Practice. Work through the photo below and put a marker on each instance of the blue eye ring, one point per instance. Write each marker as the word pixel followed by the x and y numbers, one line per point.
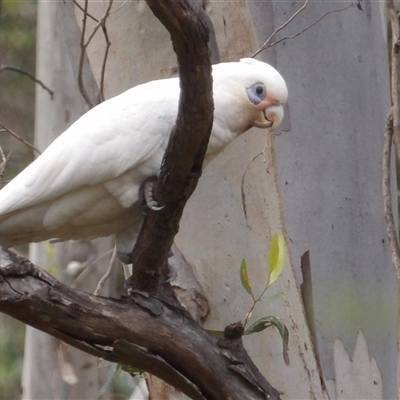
pixel 256 93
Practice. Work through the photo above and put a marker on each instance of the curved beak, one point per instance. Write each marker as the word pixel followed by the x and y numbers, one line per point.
pixel 269 118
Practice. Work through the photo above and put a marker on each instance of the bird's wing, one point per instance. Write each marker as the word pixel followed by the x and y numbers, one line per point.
pixel 110 139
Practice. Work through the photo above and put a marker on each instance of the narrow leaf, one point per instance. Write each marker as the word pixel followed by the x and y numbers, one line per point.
pixel 270 299
pixel 244 278
pixel 275 258
pixel 132 371
pixel 266 322
pixel 216 334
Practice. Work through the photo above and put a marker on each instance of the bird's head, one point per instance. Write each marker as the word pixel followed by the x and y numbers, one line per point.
pixel 248 93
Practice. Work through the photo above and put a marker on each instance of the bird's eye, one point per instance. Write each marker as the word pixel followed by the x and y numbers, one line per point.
pixel 259 90
pixel 256 93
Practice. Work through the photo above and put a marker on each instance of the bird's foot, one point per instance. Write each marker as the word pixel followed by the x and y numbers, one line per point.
pixel 146 196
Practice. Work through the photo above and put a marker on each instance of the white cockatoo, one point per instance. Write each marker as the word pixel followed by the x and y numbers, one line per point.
pixel 86 184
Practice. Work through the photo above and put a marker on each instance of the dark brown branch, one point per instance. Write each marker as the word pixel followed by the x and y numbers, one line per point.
pixel 139 331
pixel 181 167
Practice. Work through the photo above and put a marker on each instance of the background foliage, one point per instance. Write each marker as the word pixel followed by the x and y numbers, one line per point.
pixel 17 94
pixel 17 99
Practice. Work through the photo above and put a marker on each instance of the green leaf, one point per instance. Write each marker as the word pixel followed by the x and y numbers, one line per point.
pixel 266 322
pixel 133 371
pixel 216 334
pixel 270 299
pixel 275 258
pixel 244 278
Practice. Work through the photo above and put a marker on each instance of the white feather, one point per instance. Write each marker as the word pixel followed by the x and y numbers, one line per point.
pixel 86 183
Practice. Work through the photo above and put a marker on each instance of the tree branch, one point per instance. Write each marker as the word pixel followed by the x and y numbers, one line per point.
pixel 181 167
pixel 137 331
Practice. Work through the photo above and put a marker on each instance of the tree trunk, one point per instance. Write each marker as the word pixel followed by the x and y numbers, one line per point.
pixel 330 168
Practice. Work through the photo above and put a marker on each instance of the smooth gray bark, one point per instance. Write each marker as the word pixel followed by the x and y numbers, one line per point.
pixel 330 169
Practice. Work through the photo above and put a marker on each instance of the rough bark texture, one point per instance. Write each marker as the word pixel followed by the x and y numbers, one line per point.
pixel 138 331
pixel 142 330
pixel 181 169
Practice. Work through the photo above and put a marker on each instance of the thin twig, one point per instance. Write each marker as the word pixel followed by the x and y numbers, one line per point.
pixel 108 272
pixel 89 268
pixel 263 47
pixel 105 58
pixel 118 8
pixel 21 71
pixel 3 164
pixel 81 85
pixel 267 46
pixel 387 196
pixel 3 128
pixel 255 301
pixel 83 10
pixel 101 23
pixel 243 196
pixel 108 44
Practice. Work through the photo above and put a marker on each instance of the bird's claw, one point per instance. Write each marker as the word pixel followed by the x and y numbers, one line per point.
pixel 153 205
pixel 148 195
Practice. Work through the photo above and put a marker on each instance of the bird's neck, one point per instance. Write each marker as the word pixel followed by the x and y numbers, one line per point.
pixel 219 139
